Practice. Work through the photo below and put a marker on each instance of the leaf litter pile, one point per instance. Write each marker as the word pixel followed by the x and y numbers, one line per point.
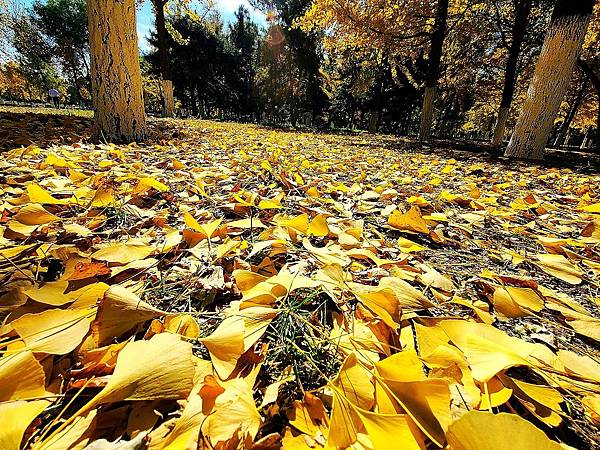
pixel 231 286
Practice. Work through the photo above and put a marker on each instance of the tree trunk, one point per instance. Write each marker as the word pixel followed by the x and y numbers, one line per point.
pixel 567 137
pixel 595 79
pixel 522 10
pixel 433 71
pixel 168 100
pixel 163 55
pixel 373 121
pixel 571 115
pixel 584 143
pixel 553 71
pixel 115 69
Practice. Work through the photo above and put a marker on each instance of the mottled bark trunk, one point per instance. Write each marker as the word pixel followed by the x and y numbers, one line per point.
pixel 373 121
pixel 598 124
pixel 500 126
pixel 564 128
pixel 553 71
pixel 595 79
pixel 433 71
pixel 115 70
pixel 584 143
pixel 168 100
pixel 522 10
pixel 163 55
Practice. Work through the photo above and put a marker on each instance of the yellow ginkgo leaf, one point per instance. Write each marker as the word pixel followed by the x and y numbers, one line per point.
pixel 53 293
pixel 16 417
pixel 560 267
pixel 298 223
pixel 271 203
pixel 515 302
pixel 123 253
pixel 235 335
pixel 21 377
pixel 103 198
pixel 186 432
pixel 234 414
pixel 487 349
pixel 34 214
pixel 207 229
pixel 427 403
pixel 144 184
pixel 478 430
pixel 182 324
pixel 54 331
pixel 383 429
pixel 119 311
pixel 409 221
pixel 77 435
pixel 318 226
pixel 542 401
pixel 38 194
pixel 349 423
pixel 160 368
pixel 355 382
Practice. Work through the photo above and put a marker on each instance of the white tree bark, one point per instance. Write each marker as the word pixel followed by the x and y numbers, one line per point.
pixel 550 82
pixel 115 70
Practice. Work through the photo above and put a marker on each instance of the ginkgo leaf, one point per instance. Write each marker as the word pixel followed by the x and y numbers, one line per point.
pixel 182 324
pixel 207 229
pixel 54 331
pixel 34 214
pixel 427 403
pixel 119 311
pixel 348 422
pixel 103 198
pixel 16 417
pixel 146 183
pixel 409 221
pixel 123 253
pixel 382 429
pixel 21 377
pixel 517 302
pixel 160 368
pixel 186 432
pixel 355 383
pixel 55 293
pixel 318 226
pixel 477 430
pixel 308 415
pixel 78 434
pixel 542 401
pixel 38 194
pixel 234 414
pixel 559 267
pixel 487 349
pixel 235 335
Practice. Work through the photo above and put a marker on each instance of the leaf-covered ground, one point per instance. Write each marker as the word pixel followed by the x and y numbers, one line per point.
pixel 230 286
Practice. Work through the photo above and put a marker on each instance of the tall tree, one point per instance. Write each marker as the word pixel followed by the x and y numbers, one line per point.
pixel 594 77
pixel 165 65
pixel 243 36
pixel 305 46
pixel 433 70
pixel 64 23
pixel 115 69
pixel 521 16
pixel 553 71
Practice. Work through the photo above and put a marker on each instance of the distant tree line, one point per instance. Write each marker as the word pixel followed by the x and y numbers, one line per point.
pixel 522 72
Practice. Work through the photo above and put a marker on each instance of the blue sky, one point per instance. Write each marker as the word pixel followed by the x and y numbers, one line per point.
pixel 145 18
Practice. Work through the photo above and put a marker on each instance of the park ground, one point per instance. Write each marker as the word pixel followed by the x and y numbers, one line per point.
pixel 345 250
